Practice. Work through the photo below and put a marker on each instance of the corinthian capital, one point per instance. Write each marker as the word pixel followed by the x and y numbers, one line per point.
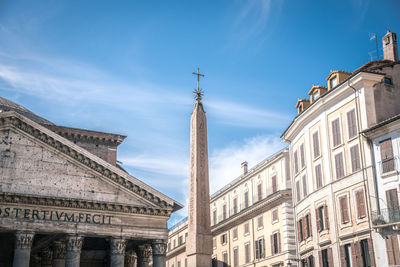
pixel 24 239
pixel 159 247
pixel 117 245
pixel 59 250
pixel 144 253
pixel 74 243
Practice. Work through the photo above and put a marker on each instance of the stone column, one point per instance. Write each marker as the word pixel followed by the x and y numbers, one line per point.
pixel 159 248
pixel 143 252
pixel 22 251
pixel 74 246
pixel 117 251
pixel 130 259
pixel 59 251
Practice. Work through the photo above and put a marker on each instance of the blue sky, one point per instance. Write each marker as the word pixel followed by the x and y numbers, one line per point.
pixel 125 67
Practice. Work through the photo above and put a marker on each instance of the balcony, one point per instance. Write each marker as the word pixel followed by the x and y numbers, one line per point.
pixel 386 217
pixel 389 165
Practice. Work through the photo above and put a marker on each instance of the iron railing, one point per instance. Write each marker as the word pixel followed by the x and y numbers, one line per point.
pixel 385 216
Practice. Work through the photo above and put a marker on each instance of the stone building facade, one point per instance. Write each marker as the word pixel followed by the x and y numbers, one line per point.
pixel 251 219
pixel 332 165
pixel 64 200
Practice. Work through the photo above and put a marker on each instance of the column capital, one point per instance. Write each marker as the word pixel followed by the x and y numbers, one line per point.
pixel 59 250
pixel 74 242
pixel 117 245
pixel 159 247
pixel 144 252
pixel 130 258
pixel 24 239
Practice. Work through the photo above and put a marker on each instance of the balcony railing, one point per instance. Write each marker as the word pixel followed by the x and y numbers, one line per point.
pixel 385 216
pixel 389 165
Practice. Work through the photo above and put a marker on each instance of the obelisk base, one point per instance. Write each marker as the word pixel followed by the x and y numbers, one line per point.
pixel 199 260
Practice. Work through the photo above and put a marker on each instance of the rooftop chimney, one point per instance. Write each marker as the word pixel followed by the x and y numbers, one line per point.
pixel 389 44
pixel 244 167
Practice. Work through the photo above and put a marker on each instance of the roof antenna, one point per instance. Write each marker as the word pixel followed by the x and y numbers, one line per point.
pixel 373 36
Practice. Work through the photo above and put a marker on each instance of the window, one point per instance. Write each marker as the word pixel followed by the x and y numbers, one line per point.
pixel 339 165
pixel 260 223
pixel 392 249
pixel 235 257
pixel 296 163
pixel 214 217
pixel 309 261
pixel 392 199
pixel 224 212
pixel 235 233
pixel 387 155
pixel 325 258
pixel 259 191
pixel 235 205
pixel 333 82
pixel 387 80
pixel 274 185
pixel 275 216
pixel 360 202
pixel 347 255
pixel 308 225
pixel 174 243
pixel 223 239
pixel 214 262
pixel 317 151
pixel 344 209
pixel 365 255
pixel 304 185
pixel 315 96
pixel 225 259
pixel 336 135
pixel 298 190
pixel 180 240
pixel 246 199
pixel 186 262
pixel 302 157
pixel 355 158
pixel 246 228
pixel 322 218
pixel 214 242
pixel 318 176
pixel 300 228
pixel 276 243
pixel 260 248
pixel 247 252
pixel 351 124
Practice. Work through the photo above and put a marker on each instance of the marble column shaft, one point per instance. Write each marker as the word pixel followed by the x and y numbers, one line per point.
pixel 143 253
pixel 22 251
pixel 159 248
pixel 117 252
pixel 74 246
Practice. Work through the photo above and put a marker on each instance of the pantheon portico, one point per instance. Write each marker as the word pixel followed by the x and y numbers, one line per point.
pixel 64 200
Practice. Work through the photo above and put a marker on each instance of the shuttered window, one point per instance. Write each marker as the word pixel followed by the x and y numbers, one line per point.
pixel 259 191
pixel 260 248
pixel 339 166
pixel 246 228
pixel 320 216
pixel 235 257
pixel 304 186
pixel 387 159
pixel 247 252
pixel 360 200
pixel 214 242
pixel 318 176
pixel 260 222
pixel 225 259
pixel 296 162
pixel 246 199
pixel 351 124
pixel 235 210
pixel 392 249
pixel 344 209
pixel 275 215
pixel 336 135
pixel 302 156
pixel 355 158
pixel 298 190
pixel 224 212
pixel 300 232
pixel 274 185
pixel 392 199
pixel 275 243
pixel 235 233
pixel 308 225
pixel 316 149
pixel 214 217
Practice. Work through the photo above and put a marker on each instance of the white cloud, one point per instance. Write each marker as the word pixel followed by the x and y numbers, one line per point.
pixel 225 163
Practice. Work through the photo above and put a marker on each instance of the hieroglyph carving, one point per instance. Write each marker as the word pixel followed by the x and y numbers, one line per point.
pixel 24 240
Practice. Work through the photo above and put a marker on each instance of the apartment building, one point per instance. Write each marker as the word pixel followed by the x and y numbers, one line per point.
pixel 251 219
pixel 332 164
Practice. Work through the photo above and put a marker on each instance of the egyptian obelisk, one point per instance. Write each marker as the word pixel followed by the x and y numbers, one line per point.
pixel 199 243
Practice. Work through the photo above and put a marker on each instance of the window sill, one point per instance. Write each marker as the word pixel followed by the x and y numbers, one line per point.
pixel 352 138
pixel 246 234
pixel 345 225
pixel 274 222
pixel 260 228
pixel 318 157
pixel 389 174
pixel 361 220
pixel 338 146
pixel 324 232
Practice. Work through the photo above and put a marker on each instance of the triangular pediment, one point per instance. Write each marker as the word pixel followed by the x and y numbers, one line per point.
pixel 36 161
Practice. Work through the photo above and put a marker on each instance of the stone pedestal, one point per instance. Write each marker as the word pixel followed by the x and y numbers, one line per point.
pixel 159 248
pixel 117 252
pixel 59 252
pixel 73 255
pixel 22 251
pixel 143 253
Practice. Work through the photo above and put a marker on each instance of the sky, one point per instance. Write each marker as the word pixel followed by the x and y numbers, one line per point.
pixel 126 67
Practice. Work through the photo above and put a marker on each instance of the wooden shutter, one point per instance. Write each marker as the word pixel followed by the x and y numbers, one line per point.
pixel 396 251
pixel 336 137
pixel 318 176
pixel 298 190
pixel 305 185
pixel 330 257
pixel 371 252
pixel 351 123
pixel 274 187
pixel 263 248
pixel 386 149
pixel 302 156
pixel 278 238
pixel 339 165
pixel 259 191
pixel 392 199
pixel 318 219
pixel 389 250
pixel 272 244
pixel 257 249
pixel 320 258
pixel 355 158
pixel 296 163
pixel 303 220
pixel 361 212
pixel 344 209
pixel 342 255
pixel 326 216
pixel 316 145
pixel 299 237
pixel 356 254
pixel 309 232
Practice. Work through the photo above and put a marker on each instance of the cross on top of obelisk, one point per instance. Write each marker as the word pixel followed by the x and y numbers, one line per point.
pixel 198 93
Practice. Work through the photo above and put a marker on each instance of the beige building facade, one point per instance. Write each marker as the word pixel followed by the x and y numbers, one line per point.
pixel 251 219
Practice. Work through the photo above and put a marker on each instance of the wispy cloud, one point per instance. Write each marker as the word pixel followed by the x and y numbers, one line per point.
pixel 225 163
